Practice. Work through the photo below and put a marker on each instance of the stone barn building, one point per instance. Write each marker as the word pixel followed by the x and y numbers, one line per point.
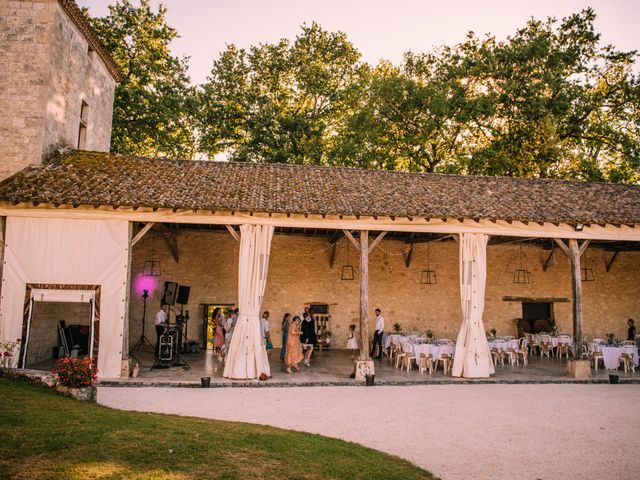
pixel 57 82
pixel 87 231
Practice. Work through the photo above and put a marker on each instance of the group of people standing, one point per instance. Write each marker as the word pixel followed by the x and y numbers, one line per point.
pixel 223 330
pixel 298 335
pixel 298 339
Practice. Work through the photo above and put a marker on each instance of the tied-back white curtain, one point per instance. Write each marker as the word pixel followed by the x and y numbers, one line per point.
pixel 247 357
pixel 472 358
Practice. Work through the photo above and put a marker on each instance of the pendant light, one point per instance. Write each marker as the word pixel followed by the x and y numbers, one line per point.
pixel 586 272
pixel 521 275
pixel 347 268
pixel 152 267
pixel 428 276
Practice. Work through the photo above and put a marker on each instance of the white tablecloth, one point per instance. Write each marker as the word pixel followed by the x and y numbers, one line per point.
pixel 612 356
pixel 397 338
pixel 434 350
pixel 553 340
pixel 503 344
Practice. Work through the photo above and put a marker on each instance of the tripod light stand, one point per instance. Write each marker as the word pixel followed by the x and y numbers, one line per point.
pixel 143 340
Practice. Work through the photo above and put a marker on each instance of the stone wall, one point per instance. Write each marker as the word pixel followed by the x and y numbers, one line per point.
pixel 77 75
pixel 45 73
pixel 208 263
pixel 44 326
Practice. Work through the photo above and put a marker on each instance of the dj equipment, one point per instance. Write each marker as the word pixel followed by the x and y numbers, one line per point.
pixel 170 292
pixel 169 355
pixel 183 294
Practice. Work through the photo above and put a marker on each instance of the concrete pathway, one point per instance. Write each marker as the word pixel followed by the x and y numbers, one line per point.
pixel 455 431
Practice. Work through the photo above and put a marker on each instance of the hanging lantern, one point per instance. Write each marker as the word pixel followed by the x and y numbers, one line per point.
pixel 347 268
pixel 152 267
pixel 586 273
pixel 428 276
pixel 521 275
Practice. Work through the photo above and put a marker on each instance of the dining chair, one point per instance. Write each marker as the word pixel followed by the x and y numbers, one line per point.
pixel 496 356
pixel 596 355
pixel 425 363
pixel 533 343
pixel 563 346
pixel 445 360
pixel 626 359
pixel 511 355
pixel 523 350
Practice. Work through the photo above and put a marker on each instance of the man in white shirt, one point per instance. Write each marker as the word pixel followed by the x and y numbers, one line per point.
pixel 377 335
pixel 161 321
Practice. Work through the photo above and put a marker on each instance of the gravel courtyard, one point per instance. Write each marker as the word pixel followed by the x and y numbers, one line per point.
pixel 532 431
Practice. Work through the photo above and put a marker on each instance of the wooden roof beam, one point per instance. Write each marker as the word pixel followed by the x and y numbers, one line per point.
pixel 142 233
pixel 610 262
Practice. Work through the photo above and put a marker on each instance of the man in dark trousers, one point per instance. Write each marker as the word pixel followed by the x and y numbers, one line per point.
pixel 377 335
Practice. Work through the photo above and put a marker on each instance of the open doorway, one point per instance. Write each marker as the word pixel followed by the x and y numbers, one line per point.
pixel 207 322
pixel 59 320
pixel 537 316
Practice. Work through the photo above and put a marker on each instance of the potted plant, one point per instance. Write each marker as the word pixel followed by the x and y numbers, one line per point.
pixel 429 335
pixel 493 332
pixel 610 338
pixel 397 328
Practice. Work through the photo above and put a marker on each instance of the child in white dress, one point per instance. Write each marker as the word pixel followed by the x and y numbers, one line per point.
pixel 352 342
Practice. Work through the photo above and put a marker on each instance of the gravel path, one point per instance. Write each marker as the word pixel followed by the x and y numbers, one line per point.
pixel 455 431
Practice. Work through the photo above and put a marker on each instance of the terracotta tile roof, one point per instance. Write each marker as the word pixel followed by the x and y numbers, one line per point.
pixel 93 178
pixel 79 20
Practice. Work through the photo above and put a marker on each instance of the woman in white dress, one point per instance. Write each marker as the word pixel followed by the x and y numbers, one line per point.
pixel 352 342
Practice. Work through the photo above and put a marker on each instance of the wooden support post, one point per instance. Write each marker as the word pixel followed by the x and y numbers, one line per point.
pixel 408 256
pixel 141 233
pixel 612 261
pixel 234 234
pixel 574 251
pixel 364 295
pixel 347 233
pixel 576 284
pixel 334 248
pixel 545 265
pixel 375 243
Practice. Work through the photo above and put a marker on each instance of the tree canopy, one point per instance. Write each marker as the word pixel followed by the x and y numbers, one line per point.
pixel 154 103
pixel 548 101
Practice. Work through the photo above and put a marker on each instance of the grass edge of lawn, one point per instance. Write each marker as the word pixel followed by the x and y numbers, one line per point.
pixel 130 444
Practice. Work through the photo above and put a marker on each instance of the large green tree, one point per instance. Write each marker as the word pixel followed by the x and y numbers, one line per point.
pixel 154 103
pixel 548 101
pixel 564 106
pixel 280 102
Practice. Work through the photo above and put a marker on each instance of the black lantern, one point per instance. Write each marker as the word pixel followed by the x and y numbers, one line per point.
pixel 428 276
pixel 586 273
pixel 521 275
pixel 152 267
pixel 347 268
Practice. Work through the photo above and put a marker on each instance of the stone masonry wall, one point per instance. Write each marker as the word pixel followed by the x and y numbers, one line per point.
pixel 45 73
pixel 208 263
pixel 44 326
pixel 25 43
pixel 77 75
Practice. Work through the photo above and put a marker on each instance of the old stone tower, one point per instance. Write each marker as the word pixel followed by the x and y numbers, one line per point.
pixel 57 82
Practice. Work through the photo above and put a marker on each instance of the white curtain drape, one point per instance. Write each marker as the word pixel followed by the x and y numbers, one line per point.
pixel 247 357
pixel 472 358
pixel 68 252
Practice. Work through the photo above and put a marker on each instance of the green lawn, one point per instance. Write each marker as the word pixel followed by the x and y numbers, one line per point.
pixel 46 436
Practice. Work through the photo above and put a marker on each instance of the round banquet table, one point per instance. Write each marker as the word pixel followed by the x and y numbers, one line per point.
pixel 612 355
